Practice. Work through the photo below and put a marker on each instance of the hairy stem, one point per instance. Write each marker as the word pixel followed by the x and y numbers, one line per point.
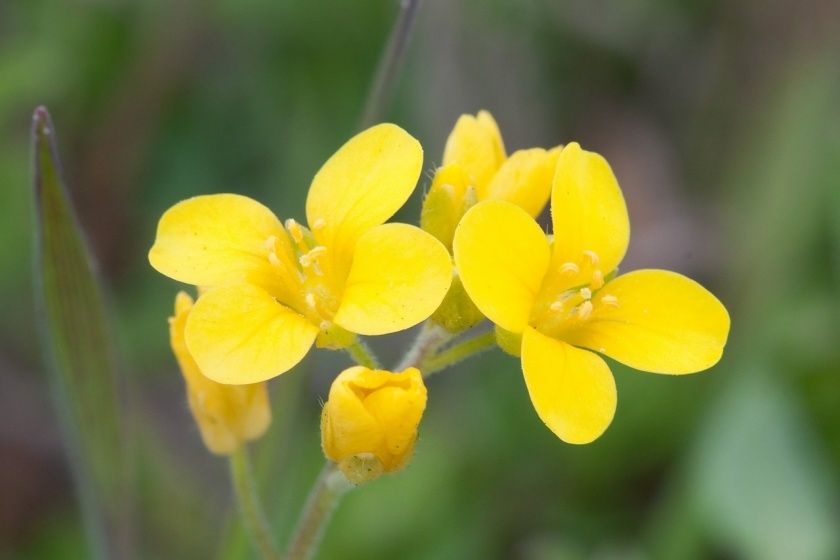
pixel 457 352
pixel 430 338
pixel 363 355
pixel 330 486
pixel 250 509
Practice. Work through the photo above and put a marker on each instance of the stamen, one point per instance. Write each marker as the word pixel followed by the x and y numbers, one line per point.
pixel 584 310
pixel 295 229
pixel 556 306
pixel 597 279
pixel 610 300
pixel 592 256
pixel 310 300
pixel 319 223
pixel 272 258
pixel 569 269
pixel 586 293
pixel 270 242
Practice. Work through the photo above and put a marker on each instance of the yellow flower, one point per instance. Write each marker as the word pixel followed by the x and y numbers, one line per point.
pixel 227 415
pixel 369 423
pixel 475 168
pixel 559 299
pixel 271 289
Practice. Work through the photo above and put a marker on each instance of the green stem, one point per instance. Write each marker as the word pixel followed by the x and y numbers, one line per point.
pixel 458 352
pixel 330 486
pixel 249 504
pixel 430 338
pixel 363 355
pixel 389 64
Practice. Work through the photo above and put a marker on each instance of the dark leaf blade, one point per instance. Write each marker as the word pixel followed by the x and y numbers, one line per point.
pixel 77 343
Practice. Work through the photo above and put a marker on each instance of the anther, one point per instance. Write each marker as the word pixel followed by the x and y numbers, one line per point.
pixel 610 300
pixel 295 229
pixel 319 223
pixel 311 258
pixel 310 300
pixel 556 306
pixel 584 310
pixel 569 269
pixel 272 258
pixel 586 293
pixel 270 242
pixel 592 256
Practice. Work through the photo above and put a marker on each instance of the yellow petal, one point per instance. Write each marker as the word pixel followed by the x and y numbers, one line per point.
pixel 227 415
pixel 657 321
pixel 524 179
pixel 362 185
pixel 475 144
pixel 588 210
pixel 398 278
pixel 572 390
pixel 239 334
pixel 216 239
pixel 502 256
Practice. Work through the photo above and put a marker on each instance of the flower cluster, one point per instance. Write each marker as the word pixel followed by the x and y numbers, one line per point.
pixel 270 289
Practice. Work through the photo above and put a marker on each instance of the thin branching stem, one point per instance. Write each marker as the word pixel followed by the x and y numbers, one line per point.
pixel 250 509
pixel 363 355
pixel 457 353
pixel 427 343
pixel 389 64
pixel 330 486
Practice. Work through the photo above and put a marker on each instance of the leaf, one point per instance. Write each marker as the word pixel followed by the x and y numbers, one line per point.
pixel 760 482
pixel 76 341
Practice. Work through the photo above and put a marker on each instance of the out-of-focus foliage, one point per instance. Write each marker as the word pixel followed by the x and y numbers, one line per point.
pixel 76 344
pixel 721 122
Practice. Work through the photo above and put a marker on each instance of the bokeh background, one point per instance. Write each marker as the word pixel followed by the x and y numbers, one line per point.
pixel 722 122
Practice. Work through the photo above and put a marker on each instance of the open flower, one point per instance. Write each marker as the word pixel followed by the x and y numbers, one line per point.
pixel 227 415
pixel 273 289
pixel 561 301
pixel 369 422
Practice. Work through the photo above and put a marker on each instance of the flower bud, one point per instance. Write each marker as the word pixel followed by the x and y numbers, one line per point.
pixel 227 415
pixel 369 422
pixel 457 312
pixel 508 341
pixel 449 197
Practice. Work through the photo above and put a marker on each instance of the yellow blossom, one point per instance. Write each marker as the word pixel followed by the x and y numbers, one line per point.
pixel 369 422
pixel 272 289
pixel 561 302
pixel 227 415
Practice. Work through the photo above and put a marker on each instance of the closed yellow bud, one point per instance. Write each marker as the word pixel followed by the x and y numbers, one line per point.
pixel 227 415
pixel 369 422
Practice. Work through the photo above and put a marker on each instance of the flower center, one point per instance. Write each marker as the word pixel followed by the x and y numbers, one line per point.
pixel 304 272
pixel 565 299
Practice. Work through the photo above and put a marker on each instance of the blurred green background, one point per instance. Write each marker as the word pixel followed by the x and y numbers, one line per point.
pixel 722 122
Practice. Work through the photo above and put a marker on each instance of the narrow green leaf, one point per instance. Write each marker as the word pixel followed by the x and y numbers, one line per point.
pixel 76 342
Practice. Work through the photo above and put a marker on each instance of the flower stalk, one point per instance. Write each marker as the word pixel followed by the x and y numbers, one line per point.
pixel 457 353
pixel 363 355
pixel 250 509
pixel 389 64
pixel 329 487
pixel 428 341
